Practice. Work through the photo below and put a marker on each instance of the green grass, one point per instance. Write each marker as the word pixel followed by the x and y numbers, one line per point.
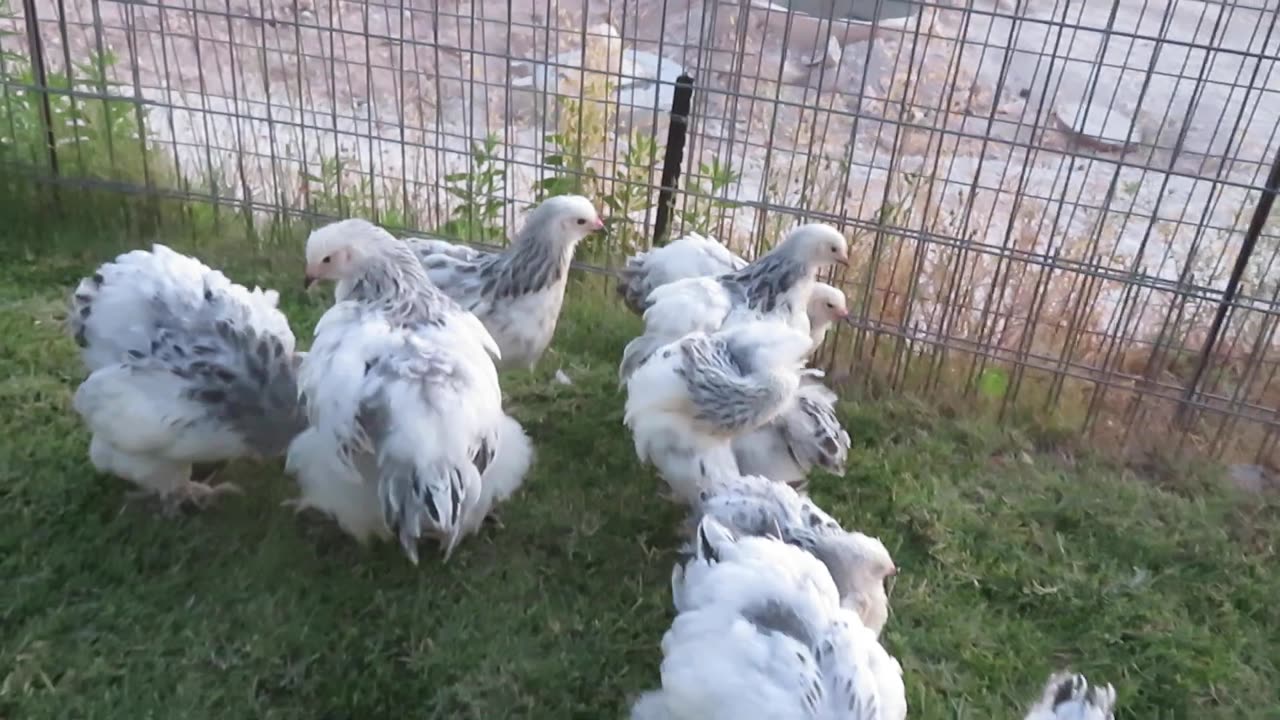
pixel 1016 559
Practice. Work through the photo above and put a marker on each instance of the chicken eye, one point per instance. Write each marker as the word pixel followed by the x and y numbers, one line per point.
pixel 326 259
pixel 831 306
pixel 582 221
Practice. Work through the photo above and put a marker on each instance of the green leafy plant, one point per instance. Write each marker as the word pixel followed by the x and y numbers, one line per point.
pixel 479 213
pixel 631 191
pixel 570 174
pixel 705 207
pixel 329 191
pixel 91 137
pixel 338 189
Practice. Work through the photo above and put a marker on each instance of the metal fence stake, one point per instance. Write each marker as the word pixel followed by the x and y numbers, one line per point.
pixel 681 106
pixel 1260 214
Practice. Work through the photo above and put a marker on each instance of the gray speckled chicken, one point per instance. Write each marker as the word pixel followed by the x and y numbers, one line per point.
pixel 776 286
pixel 185 367
pixel 407 434
pixel 760 633
pixel 516 293
pixel 805 435
pixel 691 398
pixel 690 256
pixel 859 564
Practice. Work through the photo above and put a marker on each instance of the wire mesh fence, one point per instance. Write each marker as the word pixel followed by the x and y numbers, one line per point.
pixel 1059 206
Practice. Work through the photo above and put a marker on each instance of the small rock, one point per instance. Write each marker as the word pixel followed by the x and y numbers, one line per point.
pixel 562 378
pixel 1250 478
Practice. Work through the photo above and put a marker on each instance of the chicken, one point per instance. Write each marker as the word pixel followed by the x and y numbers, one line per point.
pixel 1068 696
pixel 691 398
pixel 185 367
pixel 805 435
pixel 859 564
pixel 407 434
pixel 827 306
pixel 760 634
pixel 776 286
pixel 517 293
pixel 428 247
pixel 691 256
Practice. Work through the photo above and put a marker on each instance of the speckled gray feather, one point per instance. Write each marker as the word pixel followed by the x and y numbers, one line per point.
pixel 825 444
pixel 686 257
pixel 633 285
pixel 639 349
pixel 764 283
pixel 400 288
pixel 245 380
pixel 404 489
pixel 82 308
pixel 528 266
pixel 772 616
pixel 841 676
pixel 636 352
pixel 726 390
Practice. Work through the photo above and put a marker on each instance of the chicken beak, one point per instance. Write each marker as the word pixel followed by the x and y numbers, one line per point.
pixel 308 281
pixel 600 227
pixel 843 260
pixel 847 319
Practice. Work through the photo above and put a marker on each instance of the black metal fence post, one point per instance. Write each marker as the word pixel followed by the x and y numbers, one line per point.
pixel 36 50
pixel 1260 214
pixel 681 107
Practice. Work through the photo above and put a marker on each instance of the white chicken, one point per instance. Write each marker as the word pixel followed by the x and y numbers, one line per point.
pixel 407 436
pixel 425 247
pixel 827 306
pixel 859 564
pixel 689 256
pixel 688 401
pixel 695 256
pixel 1068 696
pixel 185 367
pixel 760 634
pixel 516 293
pixel 777 285
pixel 805 435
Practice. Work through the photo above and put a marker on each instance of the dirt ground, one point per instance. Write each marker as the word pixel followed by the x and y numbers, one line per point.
pixel 1114 147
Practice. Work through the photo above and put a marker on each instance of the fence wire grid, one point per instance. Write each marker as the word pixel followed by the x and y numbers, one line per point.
pixel 1062 205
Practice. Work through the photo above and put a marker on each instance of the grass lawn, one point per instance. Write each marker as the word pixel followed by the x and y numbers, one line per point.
pixel 1018 556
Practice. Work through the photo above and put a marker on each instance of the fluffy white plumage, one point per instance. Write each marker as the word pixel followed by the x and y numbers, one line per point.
pixel 1069 696
pixel 827 305
pixel 517 293
pixel 690 256
pixel 408 436
pixel 694 256
pixel 777 285
pixel 760 634
pixel 425 247
pixel 688 401
pixel 185 367
pixel 859 564
pixel 805 435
